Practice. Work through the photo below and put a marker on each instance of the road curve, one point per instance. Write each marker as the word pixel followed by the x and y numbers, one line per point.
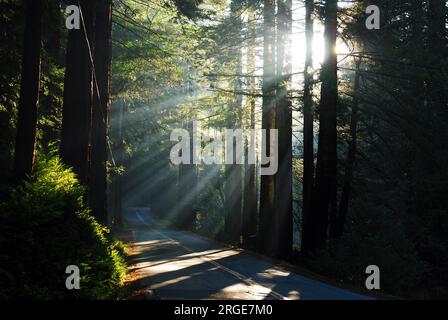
pixel 168 264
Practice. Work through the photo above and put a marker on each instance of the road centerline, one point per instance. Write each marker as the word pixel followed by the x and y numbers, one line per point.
pixel 246 280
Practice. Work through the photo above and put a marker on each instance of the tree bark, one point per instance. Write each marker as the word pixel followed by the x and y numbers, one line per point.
pixel 29 92
pixel 249 228
pixel 308 134
pixel 267 187
pixel 283 113
pixel 77 105
pixel 100 112
pixel 233 186
pixel 326 168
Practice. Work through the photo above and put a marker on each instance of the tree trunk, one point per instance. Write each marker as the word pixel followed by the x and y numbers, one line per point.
pixel 350 162
pixel 77 105
pixel 308 134
pixel 283 112
pixel 29 92
pixel 326 168
pixel 233 186
pixel 100 112
pixel 249 228
pixel 267 188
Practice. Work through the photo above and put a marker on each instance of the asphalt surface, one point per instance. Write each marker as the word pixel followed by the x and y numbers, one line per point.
pixel 170 264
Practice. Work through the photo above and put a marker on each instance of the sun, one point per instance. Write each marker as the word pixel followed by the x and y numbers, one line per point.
pixel 298 43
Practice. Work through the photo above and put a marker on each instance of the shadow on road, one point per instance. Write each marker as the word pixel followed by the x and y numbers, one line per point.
pixel 170 264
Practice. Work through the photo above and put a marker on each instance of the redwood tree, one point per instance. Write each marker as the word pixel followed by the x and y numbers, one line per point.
pixel 325 194
pixel 308 132
pixel 250 219
pixel 233 185
pixel 267 188
pixel 100 112
pixel 78 86
pixel 283 120
pixel 29 91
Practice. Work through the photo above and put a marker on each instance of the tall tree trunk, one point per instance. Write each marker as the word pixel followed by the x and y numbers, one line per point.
pixel 77 105
pixel 233 186
pixel 283 112
pixel 308 134
pixel 250 220
pixel 100 112
pixel 350 161
pixel 29 91
pixel 325 195
pixel 267 188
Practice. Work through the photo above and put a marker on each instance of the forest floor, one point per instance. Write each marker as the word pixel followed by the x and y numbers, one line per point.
pixel 170 264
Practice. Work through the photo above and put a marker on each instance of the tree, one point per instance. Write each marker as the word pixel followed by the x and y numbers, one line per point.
pixel 250 221
pixel 29 91
pixel 78 86
pixel 267 188
pixel 325 195
pixel 283 121
pixel 100 111
pixel 233 186
pixel 308 133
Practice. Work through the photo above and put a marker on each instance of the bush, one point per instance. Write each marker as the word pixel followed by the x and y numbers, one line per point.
pixel 44 227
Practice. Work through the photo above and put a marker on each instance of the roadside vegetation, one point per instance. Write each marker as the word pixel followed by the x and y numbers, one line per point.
pixel 45 227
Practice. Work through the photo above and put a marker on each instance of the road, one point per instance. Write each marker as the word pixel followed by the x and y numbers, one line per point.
pixel 170 264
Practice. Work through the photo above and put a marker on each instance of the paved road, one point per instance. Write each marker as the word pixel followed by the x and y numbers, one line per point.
pixel 168 264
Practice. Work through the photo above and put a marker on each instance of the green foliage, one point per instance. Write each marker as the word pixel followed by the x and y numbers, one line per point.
pixel 45 227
